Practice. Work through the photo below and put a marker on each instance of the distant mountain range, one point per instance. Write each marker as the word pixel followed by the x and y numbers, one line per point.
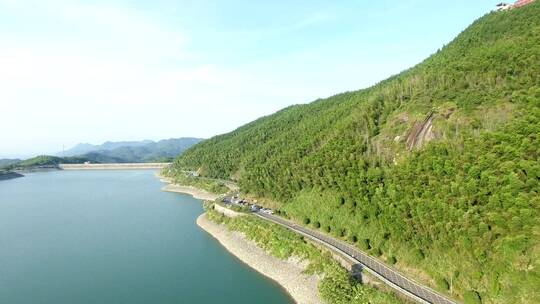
pixel 133 151
pixel 84 148
pixel 110 152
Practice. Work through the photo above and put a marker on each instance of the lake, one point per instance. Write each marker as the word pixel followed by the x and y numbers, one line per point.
pixel 114 237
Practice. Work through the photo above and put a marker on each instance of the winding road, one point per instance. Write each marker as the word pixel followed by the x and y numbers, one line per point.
pixel 391 277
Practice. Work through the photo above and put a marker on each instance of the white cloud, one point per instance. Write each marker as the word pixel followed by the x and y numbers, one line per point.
pixel 115 75
pixel 72 72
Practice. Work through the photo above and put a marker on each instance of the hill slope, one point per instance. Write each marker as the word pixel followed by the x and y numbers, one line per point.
pixel 436 168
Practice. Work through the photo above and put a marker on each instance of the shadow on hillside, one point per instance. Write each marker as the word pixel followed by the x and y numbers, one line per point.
pixel 356 272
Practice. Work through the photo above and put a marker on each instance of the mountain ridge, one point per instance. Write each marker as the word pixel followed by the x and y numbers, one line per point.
pixel 436 168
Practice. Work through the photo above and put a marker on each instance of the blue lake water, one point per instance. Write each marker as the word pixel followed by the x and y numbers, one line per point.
pixel 113 237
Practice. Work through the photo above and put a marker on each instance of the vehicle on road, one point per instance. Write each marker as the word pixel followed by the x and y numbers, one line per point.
pixel 267 211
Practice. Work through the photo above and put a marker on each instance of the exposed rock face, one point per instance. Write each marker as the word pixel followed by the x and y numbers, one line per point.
pixel 421 133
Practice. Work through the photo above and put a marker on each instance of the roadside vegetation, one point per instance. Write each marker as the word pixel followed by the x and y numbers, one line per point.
pixel 337 286
pixel 457 205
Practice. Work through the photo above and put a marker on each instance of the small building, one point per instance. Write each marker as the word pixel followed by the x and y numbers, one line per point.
pixel 502 7
pixel 505 6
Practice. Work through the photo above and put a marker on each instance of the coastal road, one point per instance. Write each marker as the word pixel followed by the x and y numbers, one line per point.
pixel 390 276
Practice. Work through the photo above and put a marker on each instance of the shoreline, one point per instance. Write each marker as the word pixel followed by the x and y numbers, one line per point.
pixel 288 274
pixel 190 190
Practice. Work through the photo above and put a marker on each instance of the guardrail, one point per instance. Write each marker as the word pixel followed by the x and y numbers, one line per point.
pixel 408 287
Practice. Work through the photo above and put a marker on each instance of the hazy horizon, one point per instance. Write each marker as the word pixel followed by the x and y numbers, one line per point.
pixel 95 71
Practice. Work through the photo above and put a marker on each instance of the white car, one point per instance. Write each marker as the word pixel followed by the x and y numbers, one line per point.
pixel 267 211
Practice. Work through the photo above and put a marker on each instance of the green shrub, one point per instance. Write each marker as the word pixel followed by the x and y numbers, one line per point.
pixel 418 255
pixel 364 244
pixel 472 297
pixel 377 251
pixel 392 260
pixel 442 283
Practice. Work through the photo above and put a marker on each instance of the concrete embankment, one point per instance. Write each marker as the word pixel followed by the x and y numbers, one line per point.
pixel 288 273
pixel 133 166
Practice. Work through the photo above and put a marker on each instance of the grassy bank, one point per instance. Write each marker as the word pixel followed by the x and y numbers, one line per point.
pixel 337 286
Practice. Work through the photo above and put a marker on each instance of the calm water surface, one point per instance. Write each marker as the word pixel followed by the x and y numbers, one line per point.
pixel 114 237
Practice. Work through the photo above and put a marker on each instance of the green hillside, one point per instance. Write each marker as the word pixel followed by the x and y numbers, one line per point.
pixel 436 169
pixel 44 161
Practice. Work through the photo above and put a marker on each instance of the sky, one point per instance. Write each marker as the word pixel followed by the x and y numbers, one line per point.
pixel 76 71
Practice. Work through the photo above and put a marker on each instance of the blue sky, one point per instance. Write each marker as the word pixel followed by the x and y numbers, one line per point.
pixel 89 71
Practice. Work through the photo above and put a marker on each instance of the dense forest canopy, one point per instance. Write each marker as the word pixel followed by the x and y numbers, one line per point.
pixel 436 169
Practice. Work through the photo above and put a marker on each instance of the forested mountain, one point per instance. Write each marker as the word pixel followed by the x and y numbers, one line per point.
pixel 436 169
pixel 161 151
